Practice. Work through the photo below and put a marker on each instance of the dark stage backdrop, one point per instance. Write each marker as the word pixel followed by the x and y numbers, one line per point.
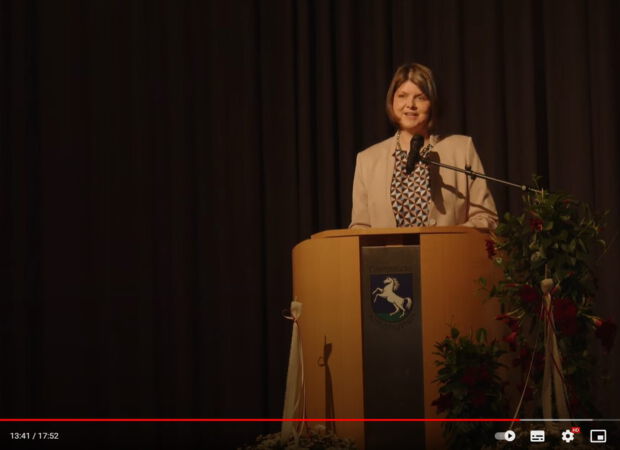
pixel 160 159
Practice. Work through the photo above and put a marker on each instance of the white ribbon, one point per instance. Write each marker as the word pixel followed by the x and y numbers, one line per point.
pixel 553 381
pixel 527 378
pixel 295 395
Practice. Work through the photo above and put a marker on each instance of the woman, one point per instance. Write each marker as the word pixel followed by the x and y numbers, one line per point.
pixel 384 195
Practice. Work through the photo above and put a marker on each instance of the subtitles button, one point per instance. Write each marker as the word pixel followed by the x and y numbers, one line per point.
pixel 537 435
pixel 598 436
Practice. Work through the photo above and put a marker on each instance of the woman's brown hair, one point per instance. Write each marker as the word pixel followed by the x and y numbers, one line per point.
pixel 422 77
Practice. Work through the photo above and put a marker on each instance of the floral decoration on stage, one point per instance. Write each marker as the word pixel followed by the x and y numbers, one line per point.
pixel 547 256
pixel 313 438
pixel 470 388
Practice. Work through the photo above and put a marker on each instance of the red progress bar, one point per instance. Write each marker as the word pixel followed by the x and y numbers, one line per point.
pixel 260 420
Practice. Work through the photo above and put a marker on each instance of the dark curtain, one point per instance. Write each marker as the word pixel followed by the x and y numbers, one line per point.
pixel 160 159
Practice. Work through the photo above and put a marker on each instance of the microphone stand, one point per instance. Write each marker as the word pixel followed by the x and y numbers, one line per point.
pixel 467 171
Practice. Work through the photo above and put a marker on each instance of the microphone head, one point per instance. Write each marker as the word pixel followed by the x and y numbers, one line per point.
pixel 417 141
pixel 415 146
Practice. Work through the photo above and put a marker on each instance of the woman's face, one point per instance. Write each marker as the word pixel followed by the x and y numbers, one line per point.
pixel 412 109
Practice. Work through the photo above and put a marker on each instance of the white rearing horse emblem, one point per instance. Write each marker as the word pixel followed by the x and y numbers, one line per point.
pixel 400 304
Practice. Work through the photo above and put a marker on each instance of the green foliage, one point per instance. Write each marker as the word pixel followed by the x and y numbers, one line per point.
pixel 470 388
pixel 546 255
pixel 315 438
pixel 557 238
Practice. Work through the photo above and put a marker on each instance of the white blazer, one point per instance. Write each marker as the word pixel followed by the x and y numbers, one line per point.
pixel 455 198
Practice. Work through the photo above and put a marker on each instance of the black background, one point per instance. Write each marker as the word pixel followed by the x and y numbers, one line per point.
pixel 160 159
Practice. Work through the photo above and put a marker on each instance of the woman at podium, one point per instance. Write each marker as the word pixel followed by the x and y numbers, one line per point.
pixel 392 189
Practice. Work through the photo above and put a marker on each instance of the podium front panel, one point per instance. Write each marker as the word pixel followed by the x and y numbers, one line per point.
pixel 392 345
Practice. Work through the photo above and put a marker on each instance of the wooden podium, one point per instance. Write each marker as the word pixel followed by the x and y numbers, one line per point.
pixel 347 371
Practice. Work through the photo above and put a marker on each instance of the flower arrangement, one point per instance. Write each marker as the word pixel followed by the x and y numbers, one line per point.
pixel 470 388
pixel 547 295
pixel 317 438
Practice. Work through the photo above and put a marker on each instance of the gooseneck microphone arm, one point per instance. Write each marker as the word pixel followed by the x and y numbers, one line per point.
pixel 467 170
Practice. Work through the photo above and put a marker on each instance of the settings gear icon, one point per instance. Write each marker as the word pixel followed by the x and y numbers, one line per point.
pixel 568 436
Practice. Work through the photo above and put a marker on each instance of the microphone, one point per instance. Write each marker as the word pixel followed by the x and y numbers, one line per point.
pixel 415 146
pixel 414 157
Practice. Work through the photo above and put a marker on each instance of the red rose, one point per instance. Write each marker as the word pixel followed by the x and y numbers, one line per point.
pixel 478 399
pixel 469 377
pixel 443 403
pixel 536 224
pixel 474 375
pixel 530 296
pixel 606 332
pixel 484 375
pixel 524 358
pixel 509 321
pixel 491 250
pixel 565 316
pixel 512 340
